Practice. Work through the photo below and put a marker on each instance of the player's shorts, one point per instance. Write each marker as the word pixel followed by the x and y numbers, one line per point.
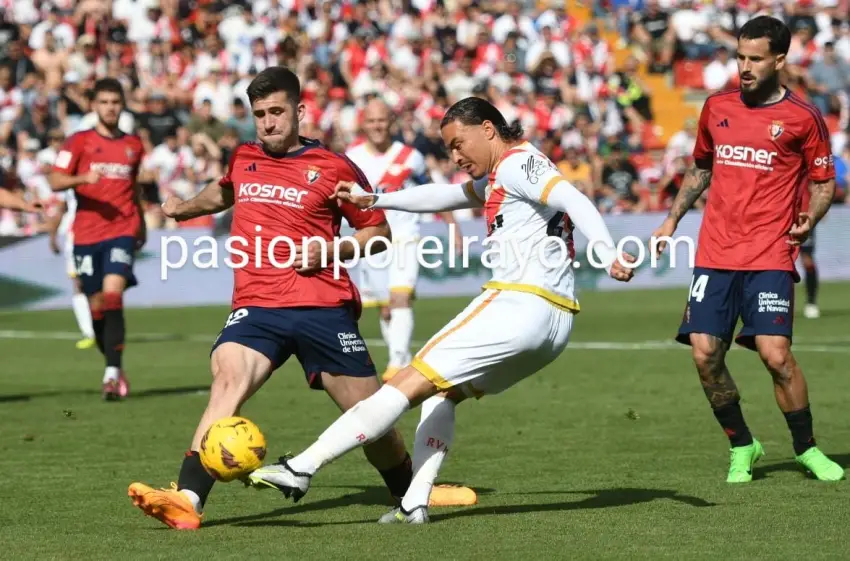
pixel 68 253
pixel 322 339
pixel 764 300
pixel 808 246
pixel 109 257
pixel 501 338
pixel 388 272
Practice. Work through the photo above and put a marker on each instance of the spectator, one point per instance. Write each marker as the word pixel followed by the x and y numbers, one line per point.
pixel 828 78
pixel 242 121
pixel 720 73
pixel 651 30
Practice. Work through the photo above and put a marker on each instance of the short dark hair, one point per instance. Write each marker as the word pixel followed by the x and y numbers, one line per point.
pixel 476 110
pixel 110 85
pixel 272 80
pixel 777 33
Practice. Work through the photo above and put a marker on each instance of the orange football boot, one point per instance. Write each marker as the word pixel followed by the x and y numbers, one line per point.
pixel 452 495
pixel 169 506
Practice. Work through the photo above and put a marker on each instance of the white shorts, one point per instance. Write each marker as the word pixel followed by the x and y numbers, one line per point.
pixel 68 253
pixel 501 338
pixel 385 273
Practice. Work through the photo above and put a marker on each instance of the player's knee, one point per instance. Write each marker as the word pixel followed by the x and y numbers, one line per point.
pixel 113 301
pixel 778 360
pixel 399 300
pixel 230 375
pixel 707 358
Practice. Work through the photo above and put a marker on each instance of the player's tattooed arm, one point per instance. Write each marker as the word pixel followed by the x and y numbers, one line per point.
pixel 695 183
pixel 823 193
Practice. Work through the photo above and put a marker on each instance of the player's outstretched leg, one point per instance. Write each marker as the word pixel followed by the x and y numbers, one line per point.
pixel 709 353
pixel 434 437
pixel 363 424
pixel 789 385
pixel 113 335
pixel 237 372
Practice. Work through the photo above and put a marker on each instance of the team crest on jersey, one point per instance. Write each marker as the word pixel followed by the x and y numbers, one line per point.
pixel 312 174
pixel 130 153
pixel 776 129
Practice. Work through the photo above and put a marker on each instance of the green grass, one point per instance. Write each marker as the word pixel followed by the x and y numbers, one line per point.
pixel 605 454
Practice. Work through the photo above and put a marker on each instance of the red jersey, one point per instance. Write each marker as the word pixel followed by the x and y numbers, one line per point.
pixel 762 160
pixel 106 209
pixel 289 196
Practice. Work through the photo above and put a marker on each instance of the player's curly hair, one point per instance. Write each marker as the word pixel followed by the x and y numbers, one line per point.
pixel 777 33
pixel 272 80
pixel 475 110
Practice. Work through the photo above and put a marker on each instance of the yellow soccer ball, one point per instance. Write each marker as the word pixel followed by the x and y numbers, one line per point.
pixel 232 448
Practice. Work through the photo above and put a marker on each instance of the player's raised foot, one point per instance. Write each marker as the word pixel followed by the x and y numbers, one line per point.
pixel 123 385
pixel 390 372
pixel 169 506
pixel 418 515
pixel 110 391
pixel 86 343
pixel 741 461
pixel 811 311
pixel 452 495
pixel 820 465
pixel 281 477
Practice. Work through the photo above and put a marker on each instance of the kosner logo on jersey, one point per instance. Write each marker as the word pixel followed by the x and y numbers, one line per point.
pixel 267 193
pixel 744 156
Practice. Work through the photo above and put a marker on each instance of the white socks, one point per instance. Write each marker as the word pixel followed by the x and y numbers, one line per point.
pixel 83 315
pixel 434 437
pixel 400 333
pixel 367 421
pixel 111 374
pixel 385 330
pixel 194 499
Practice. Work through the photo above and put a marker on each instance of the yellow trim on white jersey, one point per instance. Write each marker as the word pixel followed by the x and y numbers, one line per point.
pixel 559 301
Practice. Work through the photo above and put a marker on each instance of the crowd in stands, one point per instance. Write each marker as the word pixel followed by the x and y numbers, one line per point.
pixel 186 65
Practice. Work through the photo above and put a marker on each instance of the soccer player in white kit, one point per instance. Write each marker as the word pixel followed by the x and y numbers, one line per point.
pixel 390 166
pixel 519 324
pixel 60 227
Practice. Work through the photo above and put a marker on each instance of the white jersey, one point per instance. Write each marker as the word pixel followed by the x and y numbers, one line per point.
pixel 398 168
pixel 522 254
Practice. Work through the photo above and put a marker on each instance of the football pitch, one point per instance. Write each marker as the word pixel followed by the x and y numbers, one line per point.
pixel 610 453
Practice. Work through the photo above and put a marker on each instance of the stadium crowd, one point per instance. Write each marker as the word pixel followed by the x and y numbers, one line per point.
pixel 186 65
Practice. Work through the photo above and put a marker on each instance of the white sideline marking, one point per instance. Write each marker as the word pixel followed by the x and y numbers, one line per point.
pixel 575 345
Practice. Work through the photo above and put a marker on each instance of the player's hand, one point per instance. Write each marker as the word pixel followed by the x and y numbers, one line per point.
pixel 353 193
pixel 310 262
pixel 801 229
pixel 54 244
pixel 91 177
pixel 620 271
pixel 170 207
pixel 666 230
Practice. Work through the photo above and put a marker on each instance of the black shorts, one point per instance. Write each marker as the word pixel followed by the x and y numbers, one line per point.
pixel 109 257
pixel 764 300
pixel 323 339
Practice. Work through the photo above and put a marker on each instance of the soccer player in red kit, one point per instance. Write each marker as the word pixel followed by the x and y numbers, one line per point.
pixel 758 148
pixel 282 187
pixel 101 166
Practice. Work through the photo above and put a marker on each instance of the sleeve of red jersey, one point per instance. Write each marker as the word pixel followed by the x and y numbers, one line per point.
pixel 704 147
pixel 817 149
pixel 357 218
pixel 226 180
pixel 68 158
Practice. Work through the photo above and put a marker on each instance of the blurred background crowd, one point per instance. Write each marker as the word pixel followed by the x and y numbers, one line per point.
pixel 609 89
